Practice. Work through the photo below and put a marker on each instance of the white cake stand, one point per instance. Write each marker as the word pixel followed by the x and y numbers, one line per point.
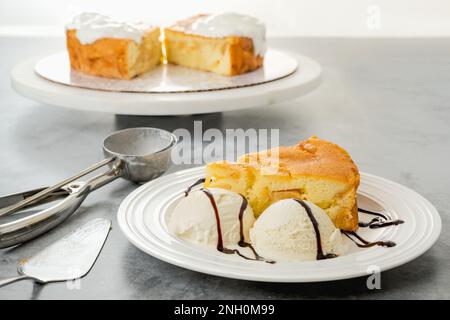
pixel 27 83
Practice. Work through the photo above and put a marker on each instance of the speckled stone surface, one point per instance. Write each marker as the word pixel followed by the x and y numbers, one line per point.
pixel 385 101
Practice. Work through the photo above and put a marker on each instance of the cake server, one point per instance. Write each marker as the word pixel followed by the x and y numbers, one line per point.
pixel 136 154
pixel 67 259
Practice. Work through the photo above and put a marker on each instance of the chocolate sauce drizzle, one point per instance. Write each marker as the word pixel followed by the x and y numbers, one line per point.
pixel 320 255
pixel 367 244
pixel 196 183
pixel 241 243
pixel 380 221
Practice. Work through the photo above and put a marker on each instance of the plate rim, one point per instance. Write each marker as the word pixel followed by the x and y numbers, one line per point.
pixel 121 215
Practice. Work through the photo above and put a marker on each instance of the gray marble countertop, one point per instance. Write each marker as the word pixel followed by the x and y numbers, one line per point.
pixel 385 101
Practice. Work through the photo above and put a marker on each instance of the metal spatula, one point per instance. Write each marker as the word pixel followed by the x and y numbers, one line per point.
pixel 67 259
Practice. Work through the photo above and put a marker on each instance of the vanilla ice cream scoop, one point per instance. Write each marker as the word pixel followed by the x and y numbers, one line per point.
pixel 195 218
pixel 292 230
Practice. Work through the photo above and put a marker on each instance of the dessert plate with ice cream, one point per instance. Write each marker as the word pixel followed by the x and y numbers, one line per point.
pixel 301 213
pixel 206 63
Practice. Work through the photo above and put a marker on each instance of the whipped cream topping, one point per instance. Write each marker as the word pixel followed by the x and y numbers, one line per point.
pixel 232 24
pixel 93 26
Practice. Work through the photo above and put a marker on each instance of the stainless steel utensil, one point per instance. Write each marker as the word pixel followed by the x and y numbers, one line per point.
pixel 67 259
pixel 136 154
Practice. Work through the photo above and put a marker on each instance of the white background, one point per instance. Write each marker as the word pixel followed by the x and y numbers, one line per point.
pixel 335 18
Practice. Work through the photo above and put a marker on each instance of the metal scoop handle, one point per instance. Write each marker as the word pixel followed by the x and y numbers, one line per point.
pixel 42 194
pixel 32 226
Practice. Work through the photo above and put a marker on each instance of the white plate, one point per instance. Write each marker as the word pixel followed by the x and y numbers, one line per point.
pixel 167 78
pixel 143 215
pixel 305 79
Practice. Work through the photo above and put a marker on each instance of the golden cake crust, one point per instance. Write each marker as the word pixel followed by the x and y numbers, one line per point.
pixel 315 170
pixel 312 157
pixel 229 56
pixel 114 58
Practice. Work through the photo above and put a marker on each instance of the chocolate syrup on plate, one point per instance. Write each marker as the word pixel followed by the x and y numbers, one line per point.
pixel 380 221
pixel 367 244
pixel 378 214
pixel 242 243
pixel 320 255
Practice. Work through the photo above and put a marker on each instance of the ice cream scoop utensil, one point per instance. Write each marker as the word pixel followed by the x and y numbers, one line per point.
pixel 136 154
